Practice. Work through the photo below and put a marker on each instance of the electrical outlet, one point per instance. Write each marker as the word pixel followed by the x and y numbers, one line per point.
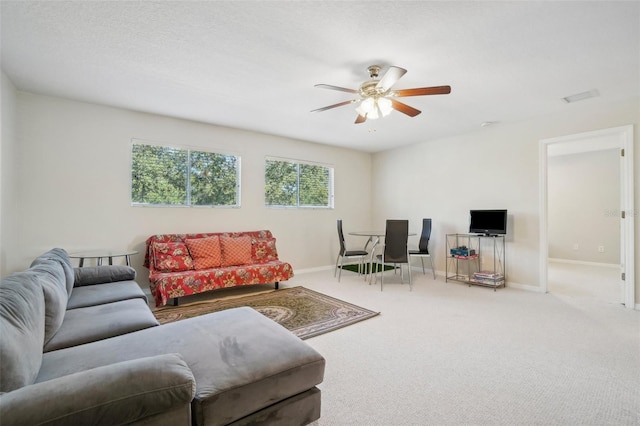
pixel 576 246
pixel 600 249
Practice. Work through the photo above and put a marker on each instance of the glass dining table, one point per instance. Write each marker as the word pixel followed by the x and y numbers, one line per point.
pixel 100 254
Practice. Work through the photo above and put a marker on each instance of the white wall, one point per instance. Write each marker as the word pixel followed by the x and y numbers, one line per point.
pixel 73 169
pixel 494 167
pixel 8 193
pixel 583 201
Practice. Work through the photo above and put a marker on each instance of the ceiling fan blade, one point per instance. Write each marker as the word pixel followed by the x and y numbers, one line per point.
pixel 336 105
pixel 390 78
pixel 360 119
pixel 342 89
pixel 404 108
pixel 420 91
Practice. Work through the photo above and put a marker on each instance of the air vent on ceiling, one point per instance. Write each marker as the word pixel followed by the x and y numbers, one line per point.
pixel 581 96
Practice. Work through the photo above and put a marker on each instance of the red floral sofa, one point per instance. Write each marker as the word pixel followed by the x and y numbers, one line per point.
pixel 184 264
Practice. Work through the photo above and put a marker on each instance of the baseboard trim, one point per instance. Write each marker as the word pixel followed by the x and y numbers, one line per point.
pixel 583 262
pixel 525 287
pixel 316 269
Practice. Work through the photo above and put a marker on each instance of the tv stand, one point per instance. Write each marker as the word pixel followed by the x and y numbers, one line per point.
pixel 465 253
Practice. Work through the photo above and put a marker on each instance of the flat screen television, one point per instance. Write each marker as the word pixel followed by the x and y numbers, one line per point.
pixel 488 222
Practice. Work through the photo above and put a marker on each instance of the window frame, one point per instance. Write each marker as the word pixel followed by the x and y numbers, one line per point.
pixel 331 183
pixel 189 149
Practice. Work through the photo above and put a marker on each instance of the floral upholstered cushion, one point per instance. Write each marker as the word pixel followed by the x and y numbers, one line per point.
pixel 169 238
pixel 172 257
pixel 235 251
pixel 205 252
pixel 264 250
pixel 169 285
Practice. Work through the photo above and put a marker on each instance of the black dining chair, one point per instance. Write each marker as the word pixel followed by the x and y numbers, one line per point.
pixel 348 253
pixel 423 246
pixel 395 251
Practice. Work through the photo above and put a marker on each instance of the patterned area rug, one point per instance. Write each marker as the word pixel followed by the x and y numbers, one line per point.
pixel 304 312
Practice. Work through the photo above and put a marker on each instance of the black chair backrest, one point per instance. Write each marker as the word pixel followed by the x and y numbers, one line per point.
pixel 341 237
pixel 395 241
pixel 423 244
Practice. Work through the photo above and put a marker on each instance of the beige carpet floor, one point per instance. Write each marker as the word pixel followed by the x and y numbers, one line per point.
pixel 449 354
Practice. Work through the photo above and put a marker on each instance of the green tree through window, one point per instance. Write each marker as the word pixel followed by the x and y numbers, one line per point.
pixel 288 183
pixel 170 176
pixel 314 185
pixel 213 179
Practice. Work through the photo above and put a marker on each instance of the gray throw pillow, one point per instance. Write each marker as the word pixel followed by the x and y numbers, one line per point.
pixel 90 275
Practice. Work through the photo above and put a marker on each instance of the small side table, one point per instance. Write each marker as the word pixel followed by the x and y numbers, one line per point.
pixel 101 254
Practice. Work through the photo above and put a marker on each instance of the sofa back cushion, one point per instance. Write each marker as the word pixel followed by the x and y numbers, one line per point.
pixel 51 277
pixel 22 324
pixel 263 250
pixel 60 255
pixel 236 250
pixel 205 252
pixel 168 238
pixel 172 257
pixel 102 274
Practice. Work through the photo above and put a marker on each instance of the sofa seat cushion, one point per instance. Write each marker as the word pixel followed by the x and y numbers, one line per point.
pixel 165 286
pixel 99 294
pixel 92 323
pixel 241 360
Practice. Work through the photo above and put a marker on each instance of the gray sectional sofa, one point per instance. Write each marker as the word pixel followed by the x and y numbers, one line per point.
pixel 81 346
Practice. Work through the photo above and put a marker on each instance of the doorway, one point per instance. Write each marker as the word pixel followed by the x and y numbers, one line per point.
pixel 583 194
pixel 619 139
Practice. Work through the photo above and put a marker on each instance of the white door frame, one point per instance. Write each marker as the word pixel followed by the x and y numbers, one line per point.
pixel 615 137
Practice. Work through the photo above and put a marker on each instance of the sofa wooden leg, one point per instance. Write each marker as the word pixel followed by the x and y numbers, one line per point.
pixel 277 284
pixel 175 301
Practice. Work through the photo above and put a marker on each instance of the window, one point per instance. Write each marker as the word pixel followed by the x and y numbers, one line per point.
pixel 168 176
pixel 296 184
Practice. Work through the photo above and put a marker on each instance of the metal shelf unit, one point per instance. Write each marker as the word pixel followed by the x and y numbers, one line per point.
pixel 479 248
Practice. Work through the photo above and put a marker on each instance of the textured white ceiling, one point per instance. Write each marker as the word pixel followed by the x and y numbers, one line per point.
pixel 253 64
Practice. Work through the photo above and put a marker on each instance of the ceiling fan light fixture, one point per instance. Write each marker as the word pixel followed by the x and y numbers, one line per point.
pixel 385 106
pixel 376 97
pixel 374 107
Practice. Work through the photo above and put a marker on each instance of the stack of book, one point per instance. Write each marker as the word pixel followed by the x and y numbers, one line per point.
pixel 462 252
pixel 488 278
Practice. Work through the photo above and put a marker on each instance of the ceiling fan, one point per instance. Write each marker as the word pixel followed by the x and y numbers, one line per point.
pixel 376 97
